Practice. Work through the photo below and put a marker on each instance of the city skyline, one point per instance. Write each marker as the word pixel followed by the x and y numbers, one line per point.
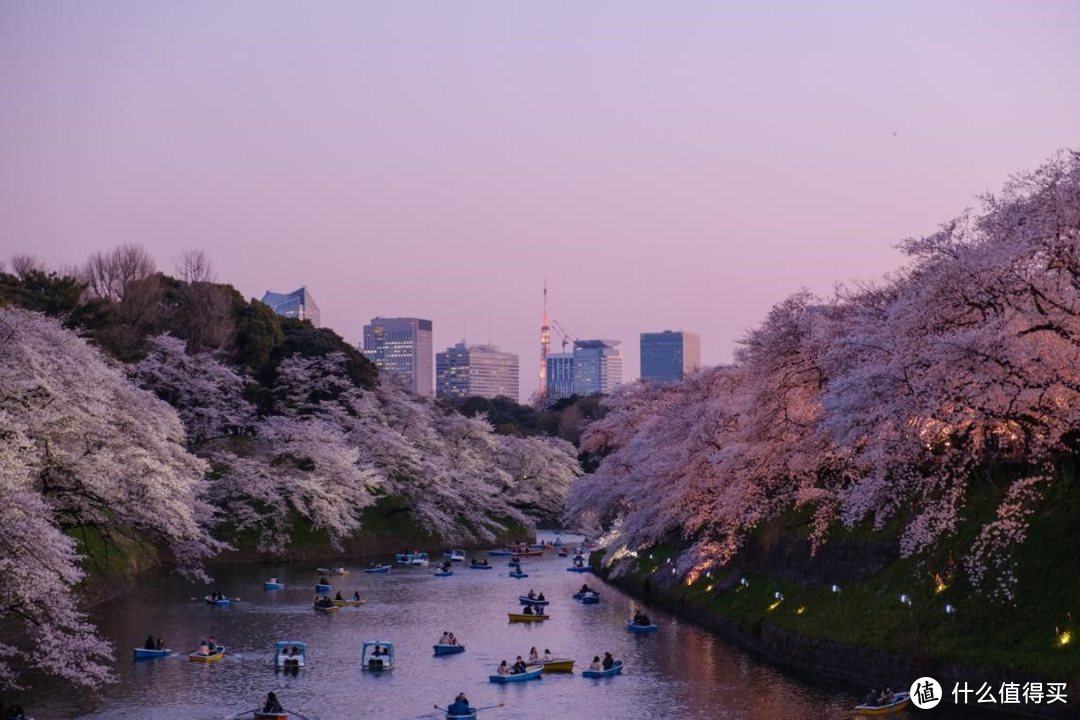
pixel 661 167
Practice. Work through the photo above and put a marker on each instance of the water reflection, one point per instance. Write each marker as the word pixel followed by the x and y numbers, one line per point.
pixel 679 672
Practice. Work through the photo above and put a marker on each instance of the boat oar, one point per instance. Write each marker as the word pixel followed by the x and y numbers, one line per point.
pixel 252 710
pixel 293 712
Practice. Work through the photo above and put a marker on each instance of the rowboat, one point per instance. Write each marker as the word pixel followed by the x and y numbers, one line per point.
pixel 455 555
pixel 349 603
pixel 479 566
pixel 528 553
pixel 898 705
pixel 575 568
pixel 526 600
pixel 472 713
pixel 331 609
pixel 378 569
pixel 268 585
pixel 522 617
pixel 333 571
pixel 615 669
pixel 377 655
pixel 323 588
pixel 441 649
pixel 219 652
pixel 419 559
pixel 533 674
pixel 499 553
pixel 443 573
pixel 558 665
pixel 590 598
pixel 635 628
pixel 260 715
pixel 148 653
pixel 221 602
pixel 518 574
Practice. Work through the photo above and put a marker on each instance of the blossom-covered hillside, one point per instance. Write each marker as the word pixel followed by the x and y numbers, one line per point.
pixel 884 403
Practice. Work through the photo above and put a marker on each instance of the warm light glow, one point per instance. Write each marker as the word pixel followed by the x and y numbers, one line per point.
pixel 775 605
pixel 939 584
pixel 800 610
pixel 1064 637
pixel 710 588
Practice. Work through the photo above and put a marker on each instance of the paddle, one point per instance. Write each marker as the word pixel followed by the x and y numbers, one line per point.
pixel 252 710
pixel 477 709
pixel 302 717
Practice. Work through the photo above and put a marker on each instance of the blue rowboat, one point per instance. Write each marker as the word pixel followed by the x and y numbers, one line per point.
pixel 474 566
pixel 223 602
pixel 519 575
pixel 635 628
pixel 147 653
pixel 448 649
pixel 322 589
pixel 520 677
pixel 526 600
pixel 590 599
pixel 378 569
pixel 615 669
pixel 273 585
pixel 443 573
pixel 586 568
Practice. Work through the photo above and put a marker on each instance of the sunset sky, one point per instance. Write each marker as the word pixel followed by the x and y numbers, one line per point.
pixel 662 165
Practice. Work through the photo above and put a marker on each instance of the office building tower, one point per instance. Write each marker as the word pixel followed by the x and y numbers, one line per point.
pixel 298 304
pixel 405 347
pixel 597 366
pixel 669 355
pixel 465 371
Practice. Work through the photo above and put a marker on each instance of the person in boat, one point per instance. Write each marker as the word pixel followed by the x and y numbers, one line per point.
pixel 503 669
pixel 460 707
pixel 272 705
pixel 548 657
pixel 338 596
pixel 596 663
pixel 579 561
pixel 213 644
pixel 886 697
pixel 609 662
pixel 274 579
pixel 204 649
pixel 528 610
pixel 532 594
pixel 453 640
pixel 534 656
pixel 541 597
pixel 323 581
pixel 871 698
pixel 445 639
pixel 519 667
pixel 585 588
pixel 356 596
pixel 149 645
pixel 484 562
pixel 160 645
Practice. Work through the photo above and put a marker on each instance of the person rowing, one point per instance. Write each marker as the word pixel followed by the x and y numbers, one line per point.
pixel 272 705
pixel 356 596
pixel 149 645
pixel 460 707
pixel 519 667
pixel 338 597
pixel 609 661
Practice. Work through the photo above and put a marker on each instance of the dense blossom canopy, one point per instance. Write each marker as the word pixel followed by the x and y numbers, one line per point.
pixel 880 403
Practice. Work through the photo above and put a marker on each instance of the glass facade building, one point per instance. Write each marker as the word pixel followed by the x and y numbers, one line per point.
pixel 298 304
pixel 405 347
pixel 595 366
pixel 476 370
pixel 669 355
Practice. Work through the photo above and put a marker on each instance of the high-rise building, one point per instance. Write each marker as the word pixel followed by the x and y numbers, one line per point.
pixel 298 304
pixel 476 370
pixel 595 366
pixel 403 346
pixel 559 377
pixel 669 355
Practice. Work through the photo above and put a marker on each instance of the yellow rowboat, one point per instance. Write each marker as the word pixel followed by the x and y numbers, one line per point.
pixel 897 706
pixel 349 603
pixel 558 665
pixel 521 617
pixel 331 609
pixel 219 652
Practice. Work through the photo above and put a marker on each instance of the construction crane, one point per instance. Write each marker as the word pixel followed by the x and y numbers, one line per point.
pixel 567 338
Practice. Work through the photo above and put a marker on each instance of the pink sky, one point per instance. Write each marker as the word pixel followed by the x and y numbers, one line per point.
pixel 662 165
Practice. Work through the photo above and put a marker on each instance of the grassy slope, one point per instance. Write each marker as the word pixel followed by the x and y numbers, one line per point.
pixel 868 613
